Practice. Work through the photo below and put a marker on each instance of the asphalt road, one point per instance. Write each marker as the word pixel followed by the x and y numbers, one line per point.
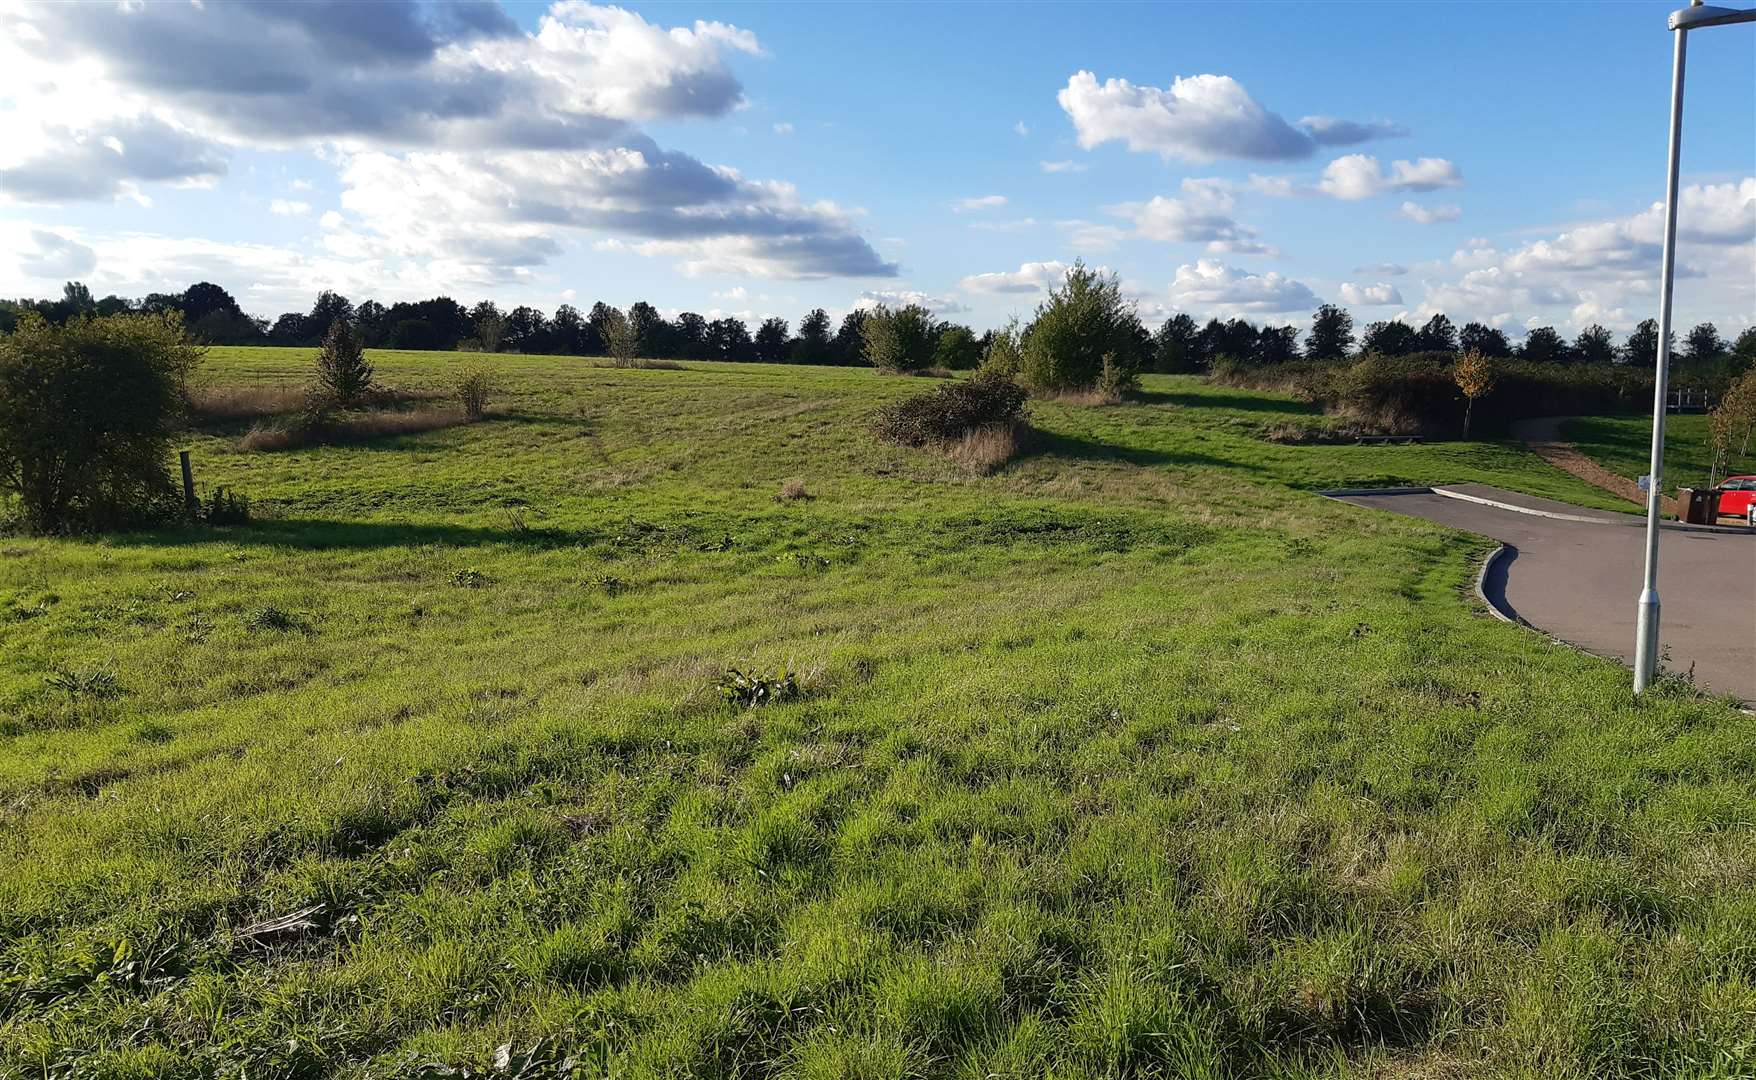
pixel 1578 580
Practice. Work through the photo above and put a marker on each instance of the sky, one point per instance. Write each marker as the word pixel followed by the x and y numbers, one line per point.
pixel 1496 162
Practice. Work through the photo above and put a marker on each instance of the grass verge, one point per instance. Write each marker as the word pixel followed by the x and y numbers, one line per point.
pixel 1133 757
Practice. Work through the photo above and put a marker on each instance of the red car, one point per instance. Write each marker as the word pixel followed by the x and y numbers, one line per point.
pixel 1738 497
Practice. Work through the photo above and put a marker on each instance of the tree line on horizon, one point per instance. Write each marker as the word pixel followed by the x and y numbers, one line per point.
pixel 1181 344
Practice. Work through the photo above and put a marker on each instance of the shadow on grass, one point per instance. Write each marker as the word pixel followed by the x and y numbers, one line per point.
pixel 1221 400
pixel 1054 444
pixel 317 534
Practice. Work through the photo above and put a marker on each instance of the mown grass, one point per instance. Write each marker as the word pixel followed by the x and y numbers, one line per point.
pixel 1623 445
pixel 1132 758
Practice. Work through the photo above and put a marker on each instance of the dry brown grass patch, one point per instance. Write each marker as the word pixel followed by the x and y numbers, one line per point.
pixel 244 402
pixel 222 403
pixel 793 491
pixel 351 428
pixel 1088 395
pixel 986 448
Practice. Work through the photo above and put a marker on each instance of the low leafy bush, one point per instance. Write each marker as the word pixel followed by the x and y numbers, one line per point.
pixel 899 339
pixel 226 507
pixel 87 411
pixel 473 385
pixel 952 411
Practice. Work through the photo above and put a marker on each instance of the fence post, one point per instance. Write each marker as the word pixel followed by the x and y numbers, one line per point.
pixel 189 503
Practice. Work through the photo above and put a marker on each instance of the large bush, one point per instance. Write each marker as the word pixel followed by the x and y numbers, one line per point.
pixel 899 339
pixel 1083 322
pixel 87 411
pixel 953 410
pixel 1418 393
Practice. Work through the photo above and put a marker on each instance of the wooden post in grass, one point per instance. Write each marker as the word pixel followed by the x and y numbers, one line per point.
pixel 188 482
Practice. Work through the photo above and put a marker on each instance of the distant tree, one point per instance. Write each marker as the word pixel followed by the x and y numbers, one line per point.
pixel 203 299
pixel 567 329
pixel 343 374
pixel 222 327
pixel 328 307
pixel 850 338
pixel 1594 345
pixel 691 332
pixel 1438 335
pixel 1390 338
pixel 121 305
pixel 289 329
pixel 413 334
pixel 620 340
pixel 447 321
pixel 814 342
pixel 1235 339
pixel 374 328
pixel 1544 346
pixel 87 413
pixel 957 348
pixel 899 339
pixel 487 325
pixel 158 303
pixel 1210 341
pixel 527 330
pixel 597 328
pixel 729 339
pixel 1276 345
pixel 650 330
pixel 773 340
pixel 1176 346
pixel 1083 326
pixel 1332 334
pixel 1642 344
pixel 1703 344
pixel 1485 339
pixel 76 298
pixel 1744 349
pixel 1475 375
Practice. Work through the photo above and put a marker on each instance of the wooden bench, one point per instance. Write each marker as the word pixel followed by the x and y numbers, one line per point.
pixel 1379 440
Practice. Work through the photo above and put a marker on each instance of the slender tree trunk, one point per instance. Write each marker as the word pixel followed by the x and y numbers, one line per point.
pixel 1468 404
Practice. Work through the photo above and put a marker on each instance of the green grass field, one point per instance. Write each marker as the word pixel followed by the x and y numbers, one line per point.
pixel 1623 445
pixel 1136 758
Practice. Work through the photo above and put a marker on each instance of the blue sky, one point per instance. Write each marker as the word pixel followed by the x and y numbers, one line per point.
pixel 882 152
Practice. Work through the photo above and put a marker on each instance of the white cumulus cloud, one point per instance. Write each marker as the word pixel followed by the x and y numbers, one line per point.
pixel 1210 286
pixel 1198 118
pixel 1030 277
pixel 1369 295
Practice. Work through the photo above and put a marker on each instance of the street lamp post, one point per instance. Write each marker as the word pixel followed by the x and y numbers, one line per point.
pixel 1695 17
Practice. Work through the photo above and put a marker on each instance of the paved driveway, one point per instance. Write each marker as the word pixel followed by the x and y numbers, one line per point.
pixel 1578 580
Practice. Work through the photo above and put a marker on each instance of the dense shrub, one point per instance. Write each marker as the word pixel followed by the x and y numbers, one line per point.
pixel 1418 393
pixel 473 385
pixel 958 349
pixel 87 411
pixel 1005 349
pixel 899 339
pixel 953 410
pixel 1084 322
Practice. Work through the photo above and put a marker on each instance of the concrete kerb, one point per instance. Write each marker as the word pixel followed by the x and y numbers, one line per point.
pixel 1631 522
